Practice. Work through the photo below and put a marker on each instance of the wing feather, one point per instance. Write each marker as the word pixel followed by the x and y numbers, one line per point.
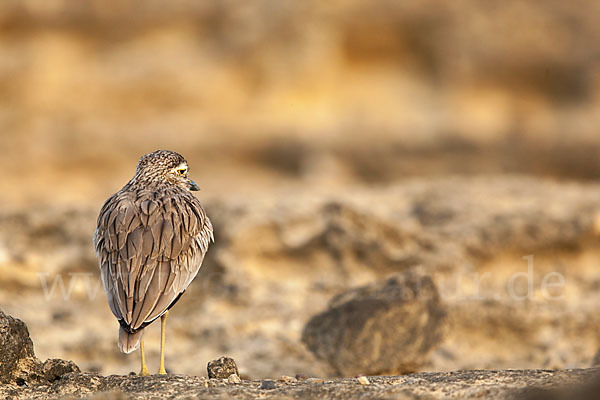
pixel 147 305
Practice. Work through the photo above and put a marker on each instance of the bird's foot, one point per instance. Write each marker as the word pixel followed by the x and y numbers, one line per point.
pixel 162 371
pixel 144 372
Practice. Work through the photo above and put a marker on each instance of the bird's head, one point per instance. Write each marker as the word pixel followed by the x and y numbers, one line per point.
pixel 164 166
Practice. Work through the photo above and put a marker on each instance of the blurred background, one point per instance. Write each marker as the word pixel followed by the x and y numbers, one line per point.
pixel 336 143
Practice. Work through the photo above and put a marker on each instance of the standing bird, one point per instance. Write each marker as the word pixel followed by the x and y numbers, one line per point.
pixel 151 238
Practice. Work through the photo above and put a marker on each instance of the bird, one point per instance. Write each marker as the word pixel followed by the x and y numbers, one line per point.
pixel 150 240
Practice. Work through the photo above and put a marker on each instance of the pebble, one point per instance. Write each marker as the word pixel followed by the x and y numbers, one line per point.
pixel 314 380
pixel 363 380
pixel 287 379
pixel 222 368
pixel 267 384
pixel 234 378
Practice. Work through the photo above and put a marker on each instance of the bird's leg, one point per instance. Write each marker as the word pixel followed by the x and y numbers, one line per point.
pixel 163 324
pixel 144 370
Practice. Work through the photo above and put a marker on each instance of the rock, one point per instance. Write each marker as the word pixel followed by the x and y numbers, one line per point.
pixel 222 368
pixel 267 384
pixel 234 378
pixel 389 326
pixel 287 379
pixel 18 363
pixel 363 380
pixel 53 369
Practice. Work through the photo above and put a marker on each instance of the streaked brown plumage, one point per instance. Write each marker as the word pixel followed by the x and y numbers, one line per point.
pixel 151 238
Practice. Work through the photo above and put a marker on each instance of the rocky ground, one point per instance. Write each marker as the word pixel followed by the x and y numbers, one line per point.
pixel 510 384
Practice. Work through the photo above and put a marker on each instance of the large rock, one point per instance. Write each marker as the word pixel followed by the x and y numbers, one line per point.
pixel 387 327
pixel 17 359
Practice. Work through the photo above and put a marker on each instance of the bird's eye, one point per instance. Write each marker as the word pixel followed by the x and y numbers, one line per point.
pixel 181 171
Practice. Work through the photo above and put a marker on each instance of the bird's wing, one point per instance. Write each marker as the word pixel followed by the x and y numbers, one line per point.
pixel 149 252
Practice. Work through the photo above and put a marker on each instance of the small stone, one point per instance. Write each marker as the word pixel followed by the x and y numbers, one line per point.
pixel 287 379
pixel 234 378
pixel 314 380
pixel 53 369
pixel 267 384
pixel 301 377
pixel 222 368
pixel 363 380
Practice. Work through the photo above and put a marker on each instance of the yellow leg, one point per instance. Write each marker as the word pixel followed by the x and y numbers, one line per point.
pixel 163 324
pixel 144 370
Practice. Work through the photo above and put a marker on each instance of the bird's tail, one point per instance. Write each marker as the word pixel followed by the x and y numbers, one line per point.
pixel 128 342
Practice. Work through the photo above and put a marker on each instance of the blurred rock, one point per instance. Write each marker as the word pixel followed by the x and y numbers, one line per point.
pixel 386 327
pixel 222 368
pixel 18 363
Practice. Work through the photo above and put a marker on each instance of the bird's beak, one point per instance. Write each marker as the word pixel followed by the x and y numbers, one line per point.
pixel 193 186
